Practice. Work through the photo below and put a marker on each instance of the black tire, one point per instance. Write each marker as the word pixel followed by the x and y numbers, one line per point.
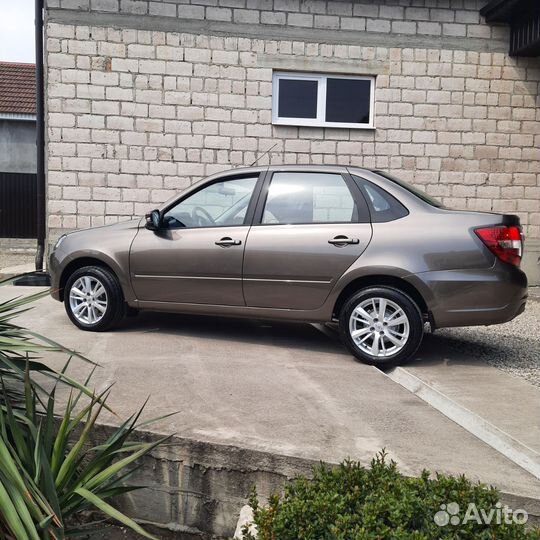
pixel 115 305
pixel 403 301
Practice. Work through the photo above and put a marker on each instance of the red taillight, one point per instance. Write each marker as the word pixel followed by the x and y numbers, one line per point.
pixel 505 242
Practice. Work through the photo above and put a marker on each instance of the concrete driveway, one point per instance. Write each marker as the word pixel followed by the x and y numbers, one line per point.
pixel 290 389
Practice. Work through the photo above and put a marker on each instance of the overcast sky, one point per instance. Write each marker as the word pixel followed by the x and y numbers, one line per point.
pixel 17 30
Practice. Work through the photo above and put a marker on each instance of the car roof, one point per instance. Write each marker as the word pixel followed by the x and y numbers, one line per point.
pixel 292 167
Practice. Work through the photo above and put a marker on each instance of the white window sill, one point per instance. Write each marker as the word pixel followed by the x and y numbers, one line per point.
pixel 308 123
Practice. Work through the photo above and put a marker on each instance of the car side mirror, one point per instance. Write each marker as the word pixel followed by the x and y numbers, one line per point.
pixel 153 220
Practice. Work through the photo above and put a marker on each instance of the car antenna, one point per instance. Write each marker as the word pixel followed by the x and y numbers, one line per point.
pixel 262 155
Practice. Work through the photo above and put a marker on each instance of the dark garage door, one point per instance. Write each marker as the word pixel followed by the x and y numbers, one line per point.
pixel 18 205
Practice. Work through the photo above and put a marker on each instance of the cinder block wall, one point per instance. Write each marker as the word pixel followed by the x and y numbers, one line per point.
pixel 146 97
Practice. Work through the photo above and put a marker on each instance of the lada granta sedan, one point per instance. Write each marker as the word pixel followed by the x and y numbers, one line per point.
pixel 314 244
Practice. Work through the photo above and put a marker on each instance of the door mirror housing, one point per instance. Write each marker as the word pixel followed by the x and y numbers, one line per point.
pixel 154 220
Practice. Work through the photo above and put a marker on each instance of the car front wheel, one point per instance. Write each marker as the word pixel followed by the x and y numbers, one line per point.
pixel 381 326
pixel 93 299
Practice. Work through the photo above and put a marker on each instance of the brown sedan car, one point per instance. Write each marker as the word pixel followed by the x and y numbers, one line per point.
pixel 313 244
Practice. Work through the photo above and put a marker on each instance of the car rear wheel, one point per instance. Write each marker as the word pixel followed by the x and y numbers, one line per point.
pixel 93 299
pixel 381 326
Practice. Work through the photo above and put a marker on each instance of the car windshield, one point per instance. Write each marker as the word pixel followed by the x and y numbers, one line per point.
pixel 412 189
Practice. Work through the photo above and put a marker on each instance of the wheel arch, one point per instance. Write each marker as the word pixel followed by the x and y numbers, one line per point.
pixel 80 262
pixel 381 279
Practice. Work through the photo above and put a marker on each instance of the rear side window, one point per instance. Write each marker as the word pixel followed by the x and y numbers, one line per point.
pixel 412 189
pixel 383 207
pixel 305 197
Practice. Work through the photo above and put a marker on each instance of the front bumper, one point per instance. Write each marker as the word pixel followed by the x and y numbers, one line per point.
pixel 54 272
pixel 478 297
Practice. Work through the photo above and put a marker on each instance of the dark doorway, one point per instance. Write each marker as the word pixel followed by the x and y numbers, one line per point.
pixel 18 207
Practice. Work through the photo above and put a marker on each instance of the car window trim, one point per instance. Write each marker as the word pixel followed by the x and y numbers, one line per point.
pixel 355 192
pixel 359 197
pixel 250 211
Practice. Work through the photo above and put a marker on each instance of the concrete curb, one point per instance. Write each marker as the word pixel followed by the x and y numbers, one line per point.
pixel 12 271
pixel 508 446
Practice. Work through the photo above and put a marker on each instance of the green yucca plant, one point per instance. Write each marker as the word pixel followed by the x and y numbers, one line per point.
pixel 20 349
pixel 51 473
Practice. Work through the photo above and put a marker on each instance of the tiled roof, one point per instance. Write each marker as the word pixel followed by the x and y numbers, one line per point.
pixel 17 88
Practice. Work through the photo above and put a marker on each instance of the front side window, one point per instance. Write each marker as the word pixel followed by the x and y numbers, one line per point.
pixel 221 204
pixel 298 197
pixel 322 100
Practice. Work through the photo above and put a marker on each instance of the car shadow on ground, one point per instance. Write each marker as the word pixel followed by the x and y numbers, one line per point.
pixel 303 336
pixel 447 346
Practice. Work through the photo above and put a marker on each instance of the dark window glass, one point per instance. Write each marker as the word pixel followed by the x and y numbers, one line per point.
pixel 383 207
pixel 297 99
pixel 348 100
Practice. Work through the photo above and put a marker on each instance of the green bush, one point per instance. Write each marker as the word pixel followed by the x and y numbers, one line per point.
pixel 351 502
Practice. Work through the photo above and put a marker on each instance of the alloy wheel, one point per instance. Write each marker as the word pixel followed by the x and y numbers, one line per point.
pixel 379 327
pixel 88 300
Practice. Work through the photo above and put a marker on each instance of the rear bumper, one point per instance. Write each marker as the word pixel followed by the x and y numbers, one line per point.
pixel 476 297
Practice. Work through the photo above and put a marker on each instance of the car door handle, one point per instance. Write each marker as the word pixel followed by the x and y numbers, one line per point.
pixel 342 240
pixel 228 241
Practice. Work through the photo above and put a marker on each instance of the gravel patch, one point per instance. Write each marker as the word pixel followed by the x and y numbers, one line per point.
pixel 513 347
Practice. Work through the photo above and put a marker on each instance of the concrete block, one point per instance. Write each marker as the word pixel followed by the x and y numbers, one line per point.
pixel 105 5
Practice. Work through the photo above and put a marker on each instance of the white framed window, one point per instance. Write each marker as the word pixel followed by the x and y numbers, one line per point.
pixel 303 99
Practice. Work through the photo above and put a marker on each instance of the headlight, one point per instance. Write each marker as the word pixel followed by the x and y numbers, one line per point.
pixel 59 241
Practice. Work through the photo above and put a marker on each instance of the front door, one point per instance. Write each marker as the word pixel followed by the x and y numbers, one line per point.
pixel 309 230
pixel 196 256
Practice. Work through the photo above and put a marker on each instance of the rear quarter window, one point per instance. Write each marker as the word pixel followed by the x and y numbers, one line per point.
pixel 383 207
pixel 412 189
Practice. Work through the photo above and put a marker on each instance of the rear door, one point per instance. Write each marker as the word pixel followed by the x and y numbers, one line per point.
pixel 309 228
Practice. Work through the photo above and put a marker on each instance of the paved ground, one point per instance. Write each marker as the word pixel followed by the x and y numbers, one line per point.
pixel 285 388
pixel 486 401
pixel 513 347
